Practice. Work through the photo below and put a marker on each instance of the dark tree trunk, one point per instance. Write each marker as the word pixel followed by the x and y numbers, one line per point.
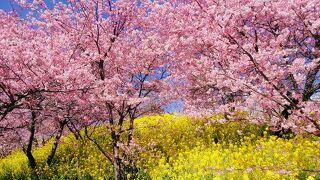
pixel 28 150
pixel 101 70
pixel 56 142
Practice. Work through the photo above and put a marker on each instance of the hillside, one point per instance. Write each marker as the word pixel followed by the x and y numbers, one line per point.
pixel 179 147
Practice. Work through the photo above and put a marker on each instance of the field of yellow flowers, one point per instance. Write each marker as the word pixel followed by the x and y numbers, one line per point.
pixel 179 147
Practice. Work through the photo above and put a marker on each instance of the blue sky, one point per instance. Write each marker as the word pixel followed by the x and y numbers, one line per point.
pixel 5 5
pixel 176 106
pixel 9 5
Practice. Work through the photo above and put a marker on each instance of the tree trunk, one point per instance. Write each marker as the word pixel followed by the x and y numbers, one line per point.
pixel 117 164
pixel 28 150
pixel 56 142
pixel 74 131
pixel 32 161
pixel 131 128
pixel 116 156
pixel 117 161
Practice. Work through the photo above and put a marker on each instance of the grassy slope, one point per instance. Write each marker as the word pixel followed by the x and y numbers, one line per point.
pixel 178 147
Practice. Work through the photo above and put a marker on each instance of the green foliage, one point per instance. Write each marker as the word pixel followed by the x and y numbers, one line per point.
pixel 180 147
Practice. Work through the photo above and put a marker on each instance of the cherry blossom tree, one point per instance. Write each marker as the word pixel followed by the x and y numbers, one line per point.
pixel 129 67
pixel 257 56
pixel 88 63
pixel 38 77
